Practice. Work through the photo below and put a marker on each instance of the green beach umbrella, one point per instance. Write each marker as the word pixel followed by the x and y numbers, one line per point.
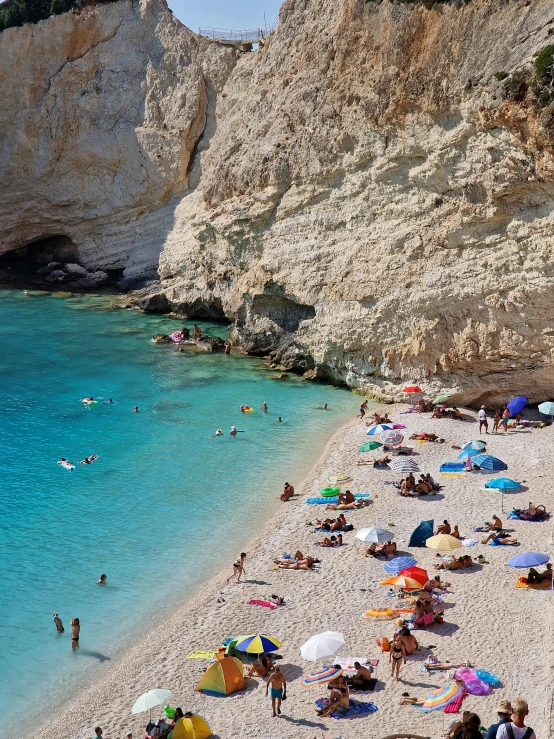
pixel 442 398
pixel 369 446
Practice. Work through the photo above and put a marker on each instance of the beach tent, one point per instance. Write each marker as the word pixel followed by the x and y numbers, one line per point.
pixel 224 676
pixel 191 727
pixel 421 533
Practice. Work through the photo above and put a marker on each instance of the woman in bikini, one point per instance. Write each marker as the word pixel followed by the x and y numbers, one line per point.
pixel 238 568
pixel 396 655
pixel 75 631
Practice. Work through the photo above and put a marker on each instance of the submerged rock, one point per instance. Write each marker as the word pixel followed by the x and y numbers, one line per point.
pixel 210 343
pixel 161 339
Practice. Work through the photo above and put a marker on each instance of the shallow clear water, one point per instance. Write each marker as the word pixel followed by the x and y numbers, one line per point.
pixel 163 506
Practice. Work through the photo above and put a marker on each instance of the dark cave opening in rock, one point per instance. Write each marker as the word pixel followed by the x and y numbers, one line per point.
pixel 26 260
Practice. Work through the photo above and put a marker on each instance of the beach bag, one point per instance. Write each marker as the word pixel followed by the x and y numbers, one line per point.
pixel 348 527
pixel 385 644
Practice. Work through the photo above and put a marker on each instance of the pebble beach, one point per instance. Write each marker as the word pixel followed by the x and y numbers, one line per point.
pixel 487 621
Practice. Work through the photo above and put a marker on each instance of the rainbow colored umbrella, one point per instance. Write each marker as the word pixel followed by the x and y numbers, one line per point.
pixel 391 438
pixel 381 614
pixel 403 582
pixel 341 478
pixel 257 644
pixel 442 697
pixel 323 675
pixel 369 446
pixel 399 563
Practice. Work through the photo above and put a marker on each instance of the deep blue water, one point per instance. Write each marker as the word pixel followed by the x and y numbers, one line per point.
pixel 159 478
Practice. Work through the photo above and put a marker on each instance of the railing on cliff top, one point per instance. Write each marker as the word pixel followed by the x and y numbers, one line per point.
pixel 224 34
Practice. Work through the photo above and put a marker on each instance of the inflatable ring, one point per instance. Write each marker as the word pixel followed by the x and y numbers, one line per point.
pixel 465 673
pixel 329 492
pixel 177 336
pixel 486 677
pixel 477 687
pixel 91 402
pixel 249 410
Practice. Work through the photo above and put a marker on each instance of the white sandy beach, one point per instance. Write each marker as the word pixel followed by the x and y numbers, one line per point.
pixel 496 627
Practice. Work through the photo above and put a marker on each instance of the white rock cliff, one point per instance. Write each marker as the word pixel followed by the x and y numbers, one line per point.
pixel 360 197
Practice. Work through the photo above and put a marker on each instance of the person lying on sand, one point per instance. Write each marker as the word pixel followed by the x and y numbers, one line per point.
pixel 334 541
pixel 304 564
pixel 361 503
pixel 495 525
pixel 338 701
pixel 261 668
pixel 534 576
pixel 332 524
pixel 408 700
pixel 379 463
pixel 431 666
pixel 497 538
pixel 457 563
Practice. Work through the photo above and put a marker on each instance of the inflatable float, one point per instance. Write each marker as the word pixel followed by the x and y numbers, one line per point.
pixel 177 336
pixel 329 492
pixel 67 465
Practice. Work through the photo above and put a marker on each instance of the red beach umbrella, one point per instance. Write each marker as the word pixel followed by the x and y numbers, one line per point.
pixel 412 389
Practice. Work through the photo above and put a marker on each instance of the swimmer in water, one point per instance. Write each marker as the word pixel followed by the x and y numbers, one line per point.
pixel 87 400
pixel 233 431
pixel 102 580
pixel 136 409
pixel 65 463
pixel 324 407
pixel 25 292
pixel 89 460
pixel 218 432
pixel 243 409
pixel 264 407
pixel 58 622
pixel 279 420
pixel 107 402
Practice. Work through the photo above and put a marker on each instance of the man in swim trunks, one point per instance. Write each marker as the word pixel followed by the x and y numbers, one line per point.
pixel 505 419
pixel 363 407
pixel 346 497
pixel 363 679
pixel 278 686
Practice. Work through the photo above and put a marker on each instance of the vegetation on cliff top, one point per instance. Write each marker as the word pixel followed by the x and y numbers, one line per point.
pixel 18 12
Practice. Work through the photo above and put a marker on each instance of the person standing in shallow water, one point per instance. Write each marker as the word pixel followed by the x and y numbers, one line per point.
pixel 363 409
pixel 59 625
pixel 75 631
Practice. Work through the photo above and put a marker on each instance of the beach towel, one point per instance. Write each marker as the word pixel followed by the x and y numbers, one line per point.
pixel 264 603
pixel 455 706
pixel 334 499
pixel 200 655
pixel 356 708
pixel 452 474
pixel 451 467
pixel 347 663
pixel 469 542
pixel 533 586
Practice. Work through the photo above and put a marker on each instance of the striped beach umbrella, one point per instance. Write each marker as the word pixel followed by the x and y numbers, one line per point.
pixel 443 543
pixel 369 446
pixel 381 614
pixel 257 644
pixel 476 444
pixel 380 427
pixel 399 563
pixel 341 478
pixel 442 697
pixel 403 465
pixel 403 582
pixel 488 462
pixel 321 676
pixel 391 438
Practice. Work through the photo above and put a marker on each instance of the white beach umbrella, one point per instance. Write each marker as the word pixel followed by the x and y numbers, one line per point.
pixel 403 465
pixel 149 700
pixel 374 535
pixel 321 646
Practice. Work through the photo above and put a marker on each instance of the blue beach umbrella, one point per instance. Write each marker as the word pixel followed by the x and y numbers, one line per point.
pixel 516 405
pixel 503 483
pixel 528 559
pixel 399 563
pixel 376 430
pixel 487 462
pixel 469 453
pixel 477 445
pixel 547 408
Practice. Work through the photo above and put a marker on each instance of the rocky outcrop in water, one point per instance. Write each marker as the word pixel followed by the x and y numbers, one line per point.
pixel 369 198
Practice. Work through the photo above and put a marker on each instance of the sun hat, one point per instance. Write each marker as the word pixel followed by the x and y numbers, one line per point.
pixel 504 707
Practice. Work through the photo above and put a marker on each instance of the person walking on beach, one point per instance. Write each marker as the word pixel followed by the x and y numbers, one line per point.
pixel 396 655
pixel 516 729
pixel 483 420
pixel 362 409
pixel 75 631
pixel 278 686
pixel 505 419
pixel 238 568
pixel 496 421
pixel 58 622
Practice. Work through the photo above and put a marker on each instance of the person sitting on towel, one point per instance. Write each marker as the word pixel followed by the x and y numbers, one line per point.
pixel 444 528
pixel 363 679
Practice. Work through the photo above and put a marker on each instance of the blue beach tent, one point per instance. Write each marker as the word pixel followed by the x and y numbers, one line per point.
pixel 421 533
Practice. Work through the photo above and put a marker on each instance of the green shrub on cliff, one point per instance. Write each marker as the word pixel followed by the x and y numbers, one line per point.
pixel 543 82
pixel 18 12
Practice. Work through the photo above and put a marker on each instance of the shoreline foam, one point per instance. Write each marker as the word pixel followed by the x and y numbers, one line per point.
pixel 491 623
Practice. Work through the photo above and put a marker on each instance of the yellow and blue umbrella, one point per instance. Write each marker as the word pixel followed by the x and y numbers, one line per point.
pixel 341 478
pixel 257 644
pixel 442 697
pixel 323 675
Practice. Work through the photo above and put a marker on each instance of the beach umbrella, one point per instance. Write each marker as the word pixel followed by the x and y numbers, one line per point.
pixel 403 582
pixel 443 543
pixel 416 572
pixel 442 398
pixel 369 446
pixel 412 389
pixel 528 559
pixel 477 444
pixel 516 405
pixel 257 644
pixel 322 645
pixel 381 614
pixel 374 535
pixel 149 700
pixel 341 478
pixel 399 563
pixel 502 484
pixel 487 462
pixel 442 697
pixel 191 726
pixel 468 453
pixel 391 438
pixel 547 408
pixel 403 465
pixel 321 676
pixel 377 429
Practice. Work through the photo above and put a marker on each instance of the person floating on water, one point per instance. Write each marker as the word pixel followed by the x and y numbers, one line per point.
pixel 88 400
pixel 264 407
pixel 58 622
pixel 75 631
pixel 218 432
pixel 102 580
pixel 136 409
pixel 65 463
pixel 89 460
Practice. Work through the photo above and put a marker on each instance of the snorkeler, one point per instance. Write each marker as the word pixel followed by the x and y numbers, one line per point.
pixel 89 460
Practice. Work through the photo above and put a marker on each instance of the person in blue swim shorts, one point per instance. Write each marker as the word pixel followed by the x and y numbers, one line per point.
pixel 278 686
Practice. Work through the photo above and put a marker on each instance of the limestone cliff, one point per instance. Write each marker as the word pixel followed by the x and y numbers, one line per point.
pixel 371 197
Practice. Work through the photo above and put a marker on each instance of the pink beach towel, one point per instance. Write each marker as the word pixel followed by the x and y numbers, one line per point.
pixel 455 706
pixel 264 603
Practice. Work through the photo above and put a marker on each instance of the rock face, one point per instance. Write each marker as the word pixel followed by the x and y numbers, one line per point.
pixel 370 199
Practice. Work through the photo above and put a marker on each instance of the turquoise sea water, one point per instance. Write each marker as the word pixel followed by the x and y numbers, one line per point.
pixel 162 507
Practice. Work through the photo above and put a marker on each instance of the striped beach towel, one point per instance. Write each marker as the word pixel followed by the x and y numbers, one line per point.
pixel 456 704
pixel 334 499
